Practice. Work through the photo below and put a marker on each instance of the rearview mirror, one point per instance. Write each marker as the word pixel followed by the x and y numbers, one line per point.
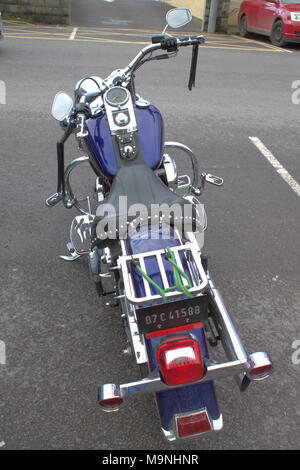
pixel 178 17
pixel 62 106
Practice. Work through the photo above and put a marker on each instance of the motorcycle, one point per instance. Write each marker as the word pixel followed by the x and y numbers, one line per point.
pixel 145 239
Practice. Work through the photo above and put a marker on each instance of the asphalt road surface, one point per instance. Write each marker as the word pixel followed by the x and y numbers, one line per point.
pixel 61 342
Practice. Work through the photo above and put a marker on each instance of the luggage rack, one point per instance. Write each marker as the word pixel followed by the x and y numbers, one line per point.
pixel 197 274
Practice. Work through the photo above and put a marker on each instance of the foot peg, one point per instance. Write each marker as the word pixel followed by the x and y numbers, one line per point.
pixel 183 182
pixel 73 255
pixel 54 199
pixel 216 180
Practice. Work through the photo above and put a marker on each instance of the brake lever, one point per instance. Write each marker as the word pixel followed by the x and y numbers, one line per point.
pixel 161 56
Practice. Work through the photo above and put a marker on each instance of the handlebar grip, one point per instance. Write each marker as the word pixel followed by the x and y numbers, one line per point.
pixel 189 41
pixel 170 44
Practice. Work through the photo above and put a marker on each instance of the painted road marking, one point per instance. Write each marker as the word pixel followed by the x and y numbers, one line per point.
pixel 269 46
pixel 128 36
pixel 2 353
pixel 276 164
pixel 73 34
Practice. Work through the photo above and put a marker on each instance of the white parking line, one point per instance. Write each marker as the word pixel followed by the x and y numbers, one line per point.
pixel 276 164
pixel 73 34
pixel 2 353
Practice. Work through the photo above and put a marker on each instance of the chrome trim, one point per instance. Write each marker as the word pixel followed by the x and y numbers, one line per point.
pixel 190 153
pixel 181 184
pixel 99 189
pixel 131 126
pixel 121 103
pixel 54 199
pixel 199 207
pixel 123 261
pixel 140 102
pixel 169 435
pixel 73 254
pixel 217 423
pixel 259 359
pixel 153 382
pixel 124 72
pixel 170 170
pixel 80 233
pixel 135 338
pixel 237 366
pixel 213 179
pixel 70 200
pixel 106 392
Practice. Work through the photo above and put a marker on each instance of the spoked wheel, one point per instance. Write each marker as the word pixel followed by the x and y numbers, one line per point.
pixel 277 37
pixel 243 27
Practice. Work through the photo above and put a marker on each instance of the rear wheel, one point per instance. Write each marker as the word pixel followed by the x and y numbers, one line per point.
pixel 277 37
pixel 243 27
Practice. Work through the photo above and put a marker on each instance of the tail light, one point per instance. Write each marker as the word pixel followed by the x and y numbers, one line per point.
pixel 110 397
pixel 180 360
pixel 192 424
pixel 259 366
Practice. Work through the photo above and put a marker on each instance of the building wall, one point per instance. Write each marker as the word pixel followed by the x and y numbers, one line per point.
pixel 227 12
pixel 197 7
pixel 232 24
pixel 41 11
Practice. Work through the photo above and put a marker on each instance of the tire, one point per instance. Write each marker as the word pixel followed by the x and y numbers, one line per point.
pixel 277 38
pixel 243 27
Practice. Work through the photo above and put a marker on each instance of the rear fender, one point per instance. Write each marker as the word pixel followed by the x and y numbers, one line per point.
pixel 184 401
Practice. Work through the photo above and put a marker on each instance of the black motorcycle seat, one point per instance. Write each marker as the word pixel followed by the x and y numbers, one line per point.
pixel 140 185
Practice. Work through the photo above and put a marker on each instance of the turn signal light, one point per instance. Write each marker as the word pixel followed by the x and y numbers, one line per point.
pixel 109 397
pixel 259 366
pixel 180 360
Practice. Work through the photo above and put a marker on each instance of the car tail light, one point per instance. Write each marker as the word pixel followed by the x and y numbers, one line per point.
pixel 195 423
pixel 110 397
pixel 180 360
pixel 259 366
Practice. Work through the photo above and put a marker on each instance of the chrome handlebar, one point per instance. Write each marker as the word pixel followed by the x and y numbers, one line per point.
pixel 124 75
pixel 187 41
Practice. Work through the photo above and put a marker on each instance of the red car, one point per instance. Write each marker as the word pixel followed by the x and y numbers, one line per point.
pixel 279 19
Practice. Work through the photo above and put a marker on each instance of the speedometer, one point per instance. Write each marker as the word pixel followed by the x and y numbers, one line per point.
pixel 116 96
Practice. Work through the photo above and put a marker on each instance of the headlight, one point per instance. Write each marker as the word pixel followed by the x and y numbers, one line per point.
pixel 295 16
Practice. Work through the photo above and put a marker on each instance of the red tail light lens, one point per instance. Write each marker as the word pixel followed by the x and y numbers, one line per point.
pixel 193 424
pixel 180 360
pixel 260 371
pixel 111 402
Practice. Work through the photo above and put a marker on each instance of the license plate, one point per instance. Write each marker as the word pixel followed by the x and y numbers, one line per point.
pixel 173 314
